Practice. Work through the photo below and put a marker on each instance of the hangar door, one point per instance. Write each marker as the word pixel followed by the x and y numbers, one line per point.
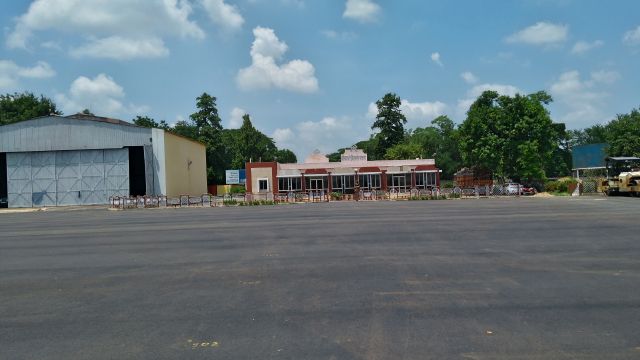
pixel 82 177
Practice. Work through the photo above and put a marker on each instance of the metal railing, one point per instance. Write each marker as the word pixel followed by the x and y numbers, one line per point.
pixel 208 200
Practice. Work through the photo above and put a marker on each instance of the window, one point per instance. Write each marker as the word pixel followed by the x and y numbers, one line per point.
pixel 288 184
pixel 316 183
pixel 425 180
pixel 263 185
pixel 336 183
pixel 370 181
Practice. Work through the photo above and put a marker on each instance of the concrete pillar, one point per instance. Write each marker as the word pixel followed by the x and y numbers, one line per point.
pixel 383 181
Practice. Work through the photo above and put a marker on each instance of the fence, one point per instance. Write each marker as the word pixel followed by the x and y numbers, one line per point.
pixel 208 200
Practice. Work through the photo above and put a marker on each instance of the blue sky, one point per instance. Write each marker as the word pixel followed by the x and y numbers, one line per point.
pixel 308 71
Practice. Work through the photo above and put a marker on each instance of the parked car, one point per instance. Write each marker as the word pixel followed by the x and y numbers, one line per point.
pixel 519 189
pixel 512 189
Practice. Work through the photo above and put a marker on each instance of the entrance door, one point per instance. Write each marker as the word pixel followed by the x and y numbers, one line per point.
pixel 137 178
pixel 399 182
pixel 317 185
pixel 4 193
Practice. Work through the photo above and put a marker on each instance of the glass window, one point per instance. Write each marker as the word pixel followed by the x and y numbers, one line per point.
pixel 287 184
pixel 336 183
pixel 263 184
pixel 349 181
pixel 427 179
pixel 370 181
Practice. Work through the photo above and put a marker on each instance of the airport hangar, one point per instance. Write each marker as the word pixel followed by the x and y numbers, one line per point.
pixel 85 160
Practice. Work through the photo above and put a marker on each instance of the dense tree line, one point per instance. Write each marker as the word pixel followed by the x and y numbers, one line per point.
pixel 511 136
pixel 514 137
pixel 622 134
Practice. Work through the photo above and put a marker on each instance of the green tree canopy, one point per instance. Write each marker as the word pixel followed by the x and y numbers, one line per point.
pixel 405 151
pixel 286 156
pixel 146 121
pixel 252 145
pixel 24 106
pixel 623 134
pixel 207 115
pixel 513 136
pixel 390 123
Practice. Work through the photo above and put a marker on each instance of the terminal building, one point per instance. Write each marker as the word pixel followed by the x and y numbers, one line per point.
pixel 84 160
pixel 317 174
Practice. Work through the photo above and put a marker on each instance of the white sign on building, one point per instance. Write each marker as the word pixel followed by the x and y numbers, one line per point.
pixel 232 177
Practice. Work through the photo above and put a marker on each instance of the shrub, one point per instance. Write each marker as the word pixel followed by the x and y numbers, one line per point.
pixel 559 186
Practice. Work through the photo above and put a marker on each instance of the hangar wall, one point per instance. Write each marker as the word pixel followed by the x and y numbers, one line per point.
pixel 185 166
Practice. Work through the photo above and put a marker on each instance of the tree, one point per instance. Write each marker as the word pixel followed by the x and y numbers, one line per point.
pixel 286 156
pixel 447 153
pixel 252 145
pixel 390 122
pixel 512 136
pixel 482 139
pixel 207 115
pixel 87 112
pixel 146 121
pixel 623 134
pixel 24 106
pixel 186 129
pixel 208 127
pixel 405 151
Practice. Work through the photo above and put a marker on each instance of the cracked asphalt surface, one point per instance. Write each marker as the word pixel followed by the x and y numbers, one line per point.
pixel 524 278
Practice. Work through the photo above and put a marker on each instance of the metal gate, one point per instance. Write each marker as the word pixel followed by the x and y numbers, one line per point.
pixel 82 177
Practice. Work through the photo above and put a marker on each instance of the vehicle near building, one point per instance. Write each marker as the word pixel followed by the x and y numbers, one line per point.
pixel 623 176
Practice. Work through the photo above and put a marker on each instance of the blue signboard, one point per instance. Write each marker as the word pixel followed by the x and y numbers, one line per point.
pixel 589 156
pixel 235 177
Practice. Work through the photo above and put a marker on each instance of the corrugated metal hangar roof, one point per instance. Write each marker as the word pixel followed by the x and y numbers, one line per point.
pixel 76 132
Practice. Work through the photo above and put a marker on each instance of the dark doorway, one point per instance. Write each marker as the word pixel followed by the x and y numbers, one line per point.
pixel 137 178
pixel 4 196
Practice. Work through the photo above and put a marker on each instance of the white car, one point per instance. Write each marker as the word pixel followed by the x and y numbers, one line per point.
pixel 513 188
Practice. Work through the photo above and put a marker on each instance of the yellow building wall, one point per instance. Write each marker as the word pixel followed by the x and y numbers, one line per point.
pixel 261 173
pixel 185 166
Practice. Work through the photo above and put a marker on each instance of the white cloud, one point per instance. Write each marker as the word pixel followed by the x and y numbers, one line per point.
pixel 224 15
pixel 98 19
pixel 102 95
pixel 283 136
pixel 266 73
pixel 582 47
pixel 605 76
pixel 235 118
pixel 469 77
pixel 119 48
pixel 435 57
pixel 581 99
pixel 326 135
pixel 362 10
pixel 632 37
pixel 340 35
pixel 11 73
pixel 542 33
